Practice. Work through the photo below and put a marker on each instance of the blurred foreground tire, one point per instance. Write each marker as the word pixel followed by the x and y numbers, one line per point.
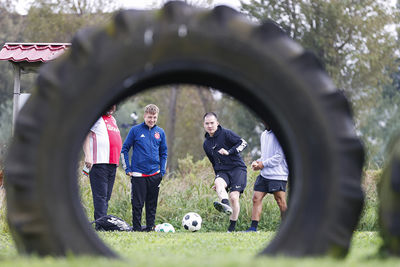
pixel 389 200
pixel 257 64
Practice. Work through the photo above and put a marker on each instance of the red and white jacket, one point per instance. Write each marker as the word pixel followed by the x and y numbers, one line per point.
pixel 105 141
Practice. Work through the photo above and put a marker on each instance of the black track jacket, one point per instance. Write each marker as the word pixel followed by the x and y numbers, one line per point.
pixel 224 138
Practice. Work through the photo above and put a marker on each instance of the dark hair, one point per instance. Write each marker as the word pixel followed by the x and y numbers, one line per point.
pixel 108 109
pixel 210 114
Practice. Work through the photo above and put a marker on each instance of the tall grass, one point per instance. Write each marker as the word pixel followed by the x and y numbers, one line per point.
pixel 369 215
pixel 3 218
pixel 189 189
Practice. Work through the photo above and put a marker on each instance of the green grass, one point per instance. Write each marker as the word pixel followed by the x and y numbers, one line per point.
pixel 189 189
pixel 197 249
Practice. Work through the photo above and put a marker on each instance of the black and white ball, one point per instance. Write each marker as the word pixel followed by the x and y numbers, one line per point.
pixel 191 221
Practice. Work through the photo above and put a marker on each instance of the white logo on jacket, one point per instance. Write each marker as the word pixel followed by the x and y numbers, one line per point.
pixel 111 128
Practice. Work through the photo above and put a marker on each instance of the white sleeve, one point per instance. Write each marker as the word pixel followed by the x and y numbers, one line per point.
pixel 96 125
pixel 274 160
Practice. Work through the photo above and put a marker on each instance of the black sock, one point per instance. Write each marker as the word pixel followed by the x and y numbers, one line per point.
pixel 254 224
pixel 225 201
pixel 232 225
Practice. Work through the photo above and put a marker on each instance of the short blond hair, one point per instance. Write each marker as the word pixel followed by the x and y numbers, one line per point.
pixel 152 109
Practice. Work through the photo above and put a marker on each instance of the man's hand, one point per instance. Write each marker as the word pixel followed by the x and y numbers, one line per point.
pixel 214 188
pixel 88 162
pixel 129 173
pixel 257 165
pixel 223 151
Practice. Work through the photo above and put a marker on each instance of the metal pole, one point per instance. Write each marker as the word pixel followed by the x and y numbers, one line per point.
pixel 17 92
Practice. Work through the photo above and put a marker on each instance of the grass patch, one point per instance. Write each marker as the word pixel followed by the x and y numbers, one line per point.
pixel 197 249
pixel 189 189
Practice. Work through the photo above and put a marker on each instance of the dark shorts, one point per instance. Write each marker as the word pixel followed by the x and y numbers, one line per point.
pixel 236 179
pixel 269 186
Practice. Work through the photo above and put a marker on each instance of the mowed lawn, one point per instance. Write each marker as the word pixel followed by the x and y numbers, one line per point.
pixel 198 249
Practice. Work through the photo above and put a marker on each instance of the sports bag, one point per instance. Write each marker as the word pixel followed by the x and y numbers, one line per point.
pixel 111 223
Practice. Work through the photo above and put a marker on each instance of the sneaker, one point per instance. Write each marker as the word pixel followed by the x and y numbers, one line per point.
pixel 221 207
pixel 149 229
pixel 251 229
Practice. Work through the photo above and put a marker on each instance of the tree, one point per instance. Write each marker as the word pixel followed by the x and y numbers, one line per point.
pixel 47 21
pixel 354 40
pixel 57 21
pixel 171 124
pixel 350 37
pixel 182 108
pixel 383 123
pixel 11 31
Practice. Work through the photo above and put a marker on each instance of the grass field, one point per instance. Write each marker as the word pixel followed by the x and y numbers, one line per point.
pixel 189 189
pixel 197 249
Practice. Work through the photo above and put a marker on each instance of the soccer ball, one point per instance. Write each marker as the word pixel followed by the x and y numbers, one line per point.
pixel 191 221
pixel 165 228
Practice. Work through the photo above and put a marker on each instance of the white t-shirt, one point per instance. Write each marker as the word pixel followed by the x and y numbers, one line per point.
pixel 105 141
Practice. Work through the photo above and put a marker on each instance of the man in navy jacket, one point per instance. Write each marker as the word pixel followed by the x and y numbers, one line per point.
pixel 222 147
pixel 147 166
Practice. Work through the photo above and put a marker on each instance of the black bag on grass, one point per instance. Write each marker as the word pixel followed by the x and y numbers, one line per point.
pixel 111 223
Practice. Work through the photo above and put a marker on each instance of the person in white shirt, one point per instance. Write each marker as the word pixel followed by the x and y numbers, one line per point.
pixel 272 179
pixel 102 148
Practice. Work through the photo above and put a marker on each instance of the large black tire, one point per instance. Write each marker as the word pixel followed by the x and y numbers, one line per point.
pixel 389 201
pixel 257 64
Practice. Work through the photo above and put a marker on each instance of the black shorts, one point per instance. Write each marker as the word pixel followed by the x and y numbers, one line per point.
pixel 236 179
pixel 269 186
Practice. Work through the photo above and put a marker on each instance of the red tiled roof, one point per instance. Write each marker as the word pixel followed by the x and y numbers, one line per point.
pixel 32 52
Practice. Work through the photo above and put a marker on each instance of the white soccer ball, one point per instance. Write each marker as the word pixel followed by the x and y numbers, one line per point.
pixel 165 228
pixel 191 221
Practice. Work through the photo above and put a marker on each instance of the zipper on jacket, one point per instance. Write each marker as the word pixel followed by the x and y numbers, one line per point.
pixel 216 152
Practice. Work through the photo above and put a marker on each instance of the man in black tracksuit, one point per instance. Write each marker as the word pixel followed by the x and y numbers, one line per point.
pixel 222 147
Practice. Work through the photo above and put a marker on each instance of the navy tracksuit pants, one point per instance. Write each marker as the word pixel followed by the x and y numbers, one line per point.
pixel 144 192
pixel 102 177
